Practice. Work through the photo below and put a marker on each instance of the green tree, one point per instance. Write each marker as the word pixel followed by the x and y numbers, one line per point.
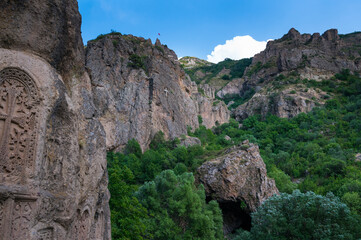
pixel 304 216
pixel 133 147
pixel 178 209
pixel 127 214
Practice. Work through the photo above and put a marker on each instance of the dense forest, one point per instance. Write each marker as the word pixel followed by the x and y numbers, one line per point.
pixel 311 157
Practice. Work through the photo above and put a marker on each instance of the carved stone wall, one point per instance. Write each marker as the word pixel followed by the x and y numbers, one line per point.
pixel 52 155
pixel 19 100
pixel 45 234
pixel 16 216
pixel 52 144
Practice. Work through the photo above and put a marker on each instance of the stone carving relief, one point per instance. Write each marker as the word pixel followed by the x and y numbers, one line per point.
pixel 45 234
pixel 1 213
pixel 99 225
pixel 16 216
pixel 22 215
pixel 81 228
pixel 19 101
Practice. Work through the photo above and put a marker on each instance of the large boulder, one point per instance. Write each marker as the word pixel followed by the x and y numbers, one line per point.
pixel 237 178
pixel 189 141
pixel 239 175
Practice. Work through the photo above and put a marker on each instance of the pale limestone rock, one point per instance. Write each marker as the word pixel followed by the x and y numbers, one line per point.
pixel 358 157
pixel 189 141
pixel 227 138
pixel 232 88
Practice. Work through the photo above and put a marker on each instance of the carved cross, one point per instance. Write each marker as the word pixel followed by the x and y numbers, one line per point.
pixel 9 117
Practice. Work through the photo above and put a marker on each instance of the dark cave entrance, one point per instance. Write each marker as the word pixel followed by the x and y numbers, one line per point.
pixel 234 216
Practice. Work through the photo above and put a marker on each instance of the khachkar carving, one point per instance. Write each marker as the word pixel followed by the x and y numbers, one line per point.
pixel 22 214
pixel 19 101
pixel 16 216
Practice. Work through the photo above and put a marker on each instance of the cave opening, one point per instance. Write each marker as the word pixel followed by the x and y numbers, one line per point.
pixel 235 216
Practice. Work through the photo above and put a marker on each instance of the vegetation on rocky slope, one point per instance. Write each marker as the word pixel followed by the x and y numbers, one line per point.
pixel 218 75
pixel 310 152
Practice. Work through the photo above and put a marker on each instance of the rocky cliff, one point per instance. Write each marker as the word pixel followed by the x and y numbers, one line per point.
pixel 239 176
pixel 48 29
pixel 61 108
pixel 53 177
pixel 286 63
pixel 140 88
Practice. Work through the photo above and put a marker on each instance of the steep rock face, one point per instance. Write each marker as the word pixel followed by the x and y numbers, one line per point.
pixel 327 53
pixel 285 104
pixel 212 112
pixel 238 176
pixel 297 56
pixel 232 88
pixel 53 177
pixel 140 89
pixel 49 29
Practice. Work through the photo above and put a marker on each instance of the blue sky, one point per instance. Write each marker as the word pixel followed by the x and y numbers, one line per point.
pixel 196 27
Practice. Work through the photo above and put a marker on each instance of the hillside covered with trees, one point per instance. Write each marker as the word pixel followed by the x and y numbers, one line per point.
pixel 313 157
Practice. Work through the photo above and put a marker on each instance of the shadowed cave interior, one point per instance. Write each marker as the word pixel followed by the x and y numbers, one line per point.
pixel 235 216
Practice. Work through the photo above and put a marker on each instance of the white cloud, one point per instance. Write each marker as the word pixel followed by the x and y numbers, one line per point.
pixel 237 48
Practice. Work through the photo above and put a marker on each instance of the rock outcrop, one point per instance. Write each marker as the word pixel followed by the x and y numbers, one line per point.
pixel 318 55
pixel 48 29
pixel 193 62
pixel 189 141
pixel 231 89
pixel 140 89
pixel 285 104
pixel 358 157
pixel 286 62
pixel 239 176
pixel 53 177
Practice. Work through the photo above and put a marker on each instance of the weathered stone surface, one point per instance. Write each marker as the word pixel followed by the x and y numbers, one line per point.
pixel 53 163
pixel 137 101
pixel 239 175
pixel 193 62
pixel 232 88
pixel 212 112
pixel 189 141
pixel 358 157
pixel 308 56
pixel 48 29
pixel 53 177
pixel 286 103
pixel 227 138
